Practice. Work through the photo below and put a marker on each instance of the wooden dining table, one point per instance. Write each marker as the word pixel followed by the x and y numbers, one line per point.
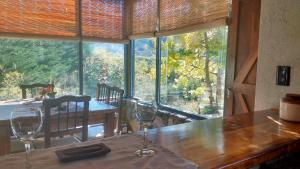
pixel 98 112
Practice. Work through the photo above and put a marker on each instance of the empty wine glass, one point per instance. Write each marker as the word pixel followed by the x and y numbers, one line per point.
pixel 145 114
pixel 26 122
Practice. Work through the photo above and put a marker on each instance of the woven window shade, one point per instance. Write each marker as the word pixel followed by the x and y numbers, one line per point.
pixel 103 19
pixel 38 17
pixel 180 16
pixel 144 18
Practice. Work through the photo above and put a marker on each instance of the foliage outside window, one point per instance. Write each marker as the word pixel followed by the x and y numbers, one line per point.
pixel 191 78
pixel 145 69
pixel 37 61
pixel 102 63
pixel 193 71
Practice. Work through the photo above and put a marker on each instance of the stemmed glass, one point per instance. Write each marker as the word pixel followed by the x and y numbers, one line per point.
pixel 26 122
pixel 145 114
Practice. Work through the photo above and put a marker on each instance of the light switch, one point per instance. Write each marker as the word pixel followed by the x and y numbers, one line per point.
pixel 283 75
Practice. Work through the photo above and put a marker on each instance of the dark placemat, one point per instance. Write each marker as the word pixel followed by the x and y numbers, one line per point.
pixel 82 152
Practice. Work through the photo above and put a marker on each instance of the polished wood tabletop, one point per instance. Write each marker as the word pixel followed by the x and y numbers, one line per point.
pixel 239 141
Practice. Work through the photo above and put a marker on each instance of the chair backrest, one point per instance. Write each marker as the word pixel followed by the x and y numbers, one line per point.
pixel 102 92
pixel 116 99
pixel 65 115
pixel 115 96
pixel 25 87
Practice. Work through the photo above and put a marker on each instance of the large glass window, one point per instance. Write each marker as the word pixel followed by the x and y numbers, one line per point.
pixel 102 63
pixel 193 71
pixel 145 68
pixel 37 61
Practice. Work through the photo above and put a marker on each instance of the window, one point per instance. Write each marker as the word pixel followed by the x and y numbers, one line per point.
pixel 193 71
pixel 37 61
pixel 145 69
pixel 102 63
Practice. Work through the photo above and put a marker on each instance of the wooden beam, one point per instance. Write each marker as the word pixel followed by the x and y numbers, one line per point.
pixel 244 88
pixel 243 103
pixel 231 56
pixel 247 65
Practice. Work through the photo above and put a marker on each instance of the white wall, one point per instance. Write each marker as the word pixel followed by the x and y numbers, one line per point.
pixel 279 44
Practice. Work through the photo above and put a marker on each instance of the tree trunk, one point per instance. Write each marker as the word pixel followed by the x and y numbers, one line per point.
pixel 219 87
pixel 207 75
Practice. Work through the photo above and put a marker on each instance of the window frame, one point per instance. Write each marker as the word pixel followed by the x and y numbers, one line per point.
pixel 129 74
pixel 158 80
pixel 132 73
pixel 81 57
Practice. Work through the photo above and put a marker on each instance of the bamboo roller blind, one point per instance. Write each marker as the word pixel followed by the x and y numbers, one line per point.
pixel 144 17
pixel 180 14
pixel 46 17
pixel 177 16
pixel 105 19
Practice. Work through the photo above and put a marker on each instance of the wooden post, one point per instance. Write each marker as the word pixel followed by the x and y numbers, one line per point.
pixel 5 137
pixel 23 93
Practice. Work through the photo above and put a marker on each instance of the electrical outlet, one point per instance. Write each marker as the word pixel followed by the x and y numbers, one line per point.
pixel 283 75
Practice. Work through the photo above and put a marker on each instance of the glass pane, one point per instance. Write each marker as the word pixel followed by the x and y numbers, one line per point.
pixel 37 61
pixel 145 69
pixel 102 63
pixel 193 71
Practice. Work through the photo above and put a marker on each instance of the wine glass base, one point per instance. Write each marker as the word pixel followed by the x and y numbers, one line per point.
pixel 145 152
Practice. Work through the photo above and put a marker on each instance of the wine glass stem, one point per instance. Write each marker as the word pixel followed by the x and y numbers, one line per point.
pixel 27 162
pixel 145 137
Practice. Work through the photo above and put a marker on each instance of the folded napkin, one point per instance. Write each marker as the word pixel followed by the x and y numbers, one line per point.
pixel 83 152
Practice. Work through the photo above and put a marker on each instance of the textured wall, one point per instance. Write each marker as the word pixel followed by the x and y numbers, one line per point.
pixel 279 44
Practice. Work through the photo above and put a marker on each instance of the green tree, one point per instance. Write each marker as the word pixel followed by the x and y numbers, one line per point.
pixel 11 81
pixel 102 66
pixel 41 61
pixel 194 63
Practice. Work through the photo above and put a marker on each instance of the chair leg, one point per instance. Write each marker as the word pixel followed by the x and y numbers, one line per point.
pixel 109 125
pixel 117 127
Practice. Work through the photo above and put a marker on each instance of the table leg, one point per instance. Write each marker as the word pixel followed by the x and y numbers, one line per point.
pixel 4 137
pixel 109 124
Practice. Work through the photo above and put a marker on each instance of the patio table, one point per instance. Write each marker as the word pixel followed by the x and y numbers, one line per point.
pixel 97 112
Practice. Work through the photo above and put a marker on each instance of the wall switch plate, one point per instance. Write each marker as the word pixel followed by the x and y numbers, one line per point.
pixel 283 75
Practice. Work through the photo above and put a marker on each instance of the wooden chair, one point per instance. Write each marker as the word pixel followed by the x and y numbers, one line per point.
pixel 116 99
pixel 64 116
pixel 113 96
pixel 24 87
pixel 102 94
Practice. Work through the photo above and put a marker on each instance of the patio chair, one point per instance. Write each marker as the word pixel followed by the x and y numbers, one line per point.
pixel 115 99
pixel 102 94
pixel 113 96
pixel 33 88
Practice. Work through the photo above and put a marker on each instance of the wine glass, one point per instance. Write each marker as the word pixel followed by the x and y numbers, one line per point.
pixel 145 114
pixel 26 122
